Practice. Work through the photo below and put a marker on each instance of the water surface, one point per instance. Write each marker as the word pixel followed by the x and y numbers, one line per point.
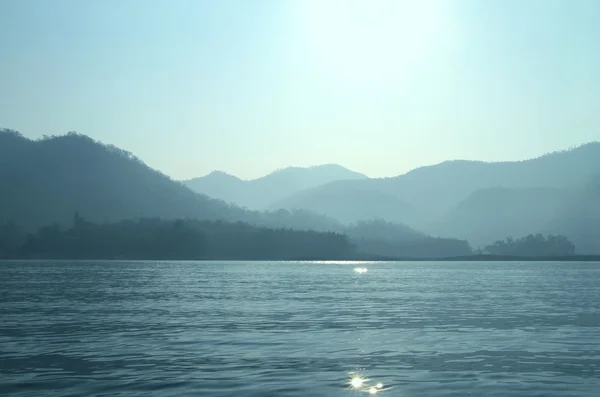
pixel 298 329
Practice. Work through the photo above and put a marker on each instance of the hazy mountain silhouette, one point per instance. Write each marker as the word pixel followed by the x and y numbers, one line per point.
pixel 44 182
pixel 260 193
pixel 219 185
pixel 492 214
pixel 47 180
pixel 348 203
pixel 579 217
pixel 398 240
pixel 435 190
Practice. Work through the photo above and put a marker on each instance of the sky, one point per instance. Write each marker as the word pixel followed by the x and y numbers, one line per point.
pixel 249 86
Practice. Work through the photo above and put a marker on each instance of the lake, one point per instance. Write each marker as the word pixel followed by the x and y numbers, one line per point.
pixel 421 329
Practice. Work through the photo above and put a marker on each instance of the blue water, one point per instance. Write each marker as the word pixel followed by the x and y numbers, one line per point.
pixel 299 329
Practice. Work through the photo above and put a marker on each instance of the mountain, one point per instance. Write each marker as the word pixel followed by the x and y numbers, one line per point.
pixel 219 185
pixel 441 187
pixel 398 240
pixel 260 193
pixel 579 217
pixel 435 190
pixel 48 180
pixel 492 214
pixel 51 180
pixel 348 204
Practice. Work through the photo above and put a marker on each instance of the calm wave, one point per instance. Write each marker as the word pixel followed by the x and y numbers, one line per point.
pixel 299 329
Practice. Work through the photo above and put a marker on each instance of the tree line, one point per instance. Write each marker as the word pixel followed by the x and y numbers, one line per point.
pixel 532 245
pixel 180 239
pixel 155 239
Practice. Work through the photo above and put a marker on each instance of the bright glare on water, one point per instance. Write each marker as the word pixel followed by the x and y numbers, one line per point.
pixel 299 329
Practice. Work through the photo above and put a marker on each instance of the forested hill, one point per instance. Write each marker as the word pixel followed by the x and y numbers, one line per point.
pixel 46 181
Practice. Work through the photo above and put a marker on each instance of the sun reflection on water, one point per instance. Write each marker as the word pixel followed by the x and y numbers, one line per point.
pixel 360 383
pixel 357 381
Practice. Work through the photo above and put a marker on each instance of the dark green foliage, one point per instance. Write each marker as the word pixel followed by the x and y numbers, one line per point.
pixel 152 238
pixel 531 245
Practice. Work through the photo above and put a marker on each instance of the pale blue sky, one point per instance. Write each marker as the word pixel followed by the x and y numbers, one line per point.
pixel 249 86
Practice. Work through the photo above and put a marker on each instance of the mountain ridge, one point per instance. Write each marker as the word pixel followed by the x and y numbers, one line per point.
pixel 46 181
pixel 436 189
pixel 260 192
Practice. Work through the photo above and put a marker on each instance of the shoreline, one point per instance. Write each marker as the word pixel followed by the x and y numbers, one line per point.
pixel 358 258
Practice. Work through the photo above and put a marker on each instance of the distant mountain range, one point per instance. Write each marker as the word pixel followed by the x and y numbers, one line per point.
pixel 47 180
pixel 432 191
pixel 262 192
pixel 474 200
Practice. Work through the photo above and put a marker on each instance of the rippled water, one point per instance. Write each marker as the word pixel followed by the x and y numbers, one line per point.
pixel 298 329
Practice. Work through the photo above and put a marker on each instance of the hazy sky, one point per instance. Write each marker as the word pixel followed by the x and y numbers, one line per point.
pixel 249 86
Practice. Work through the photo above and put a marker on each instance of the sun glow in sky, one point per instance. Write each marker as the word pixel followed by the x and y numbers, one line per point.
pixel 370 42
pixel 247 87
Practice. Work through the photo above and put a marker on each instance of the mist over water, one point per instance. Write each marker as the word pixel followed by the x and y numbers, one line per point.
pixel 298 329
